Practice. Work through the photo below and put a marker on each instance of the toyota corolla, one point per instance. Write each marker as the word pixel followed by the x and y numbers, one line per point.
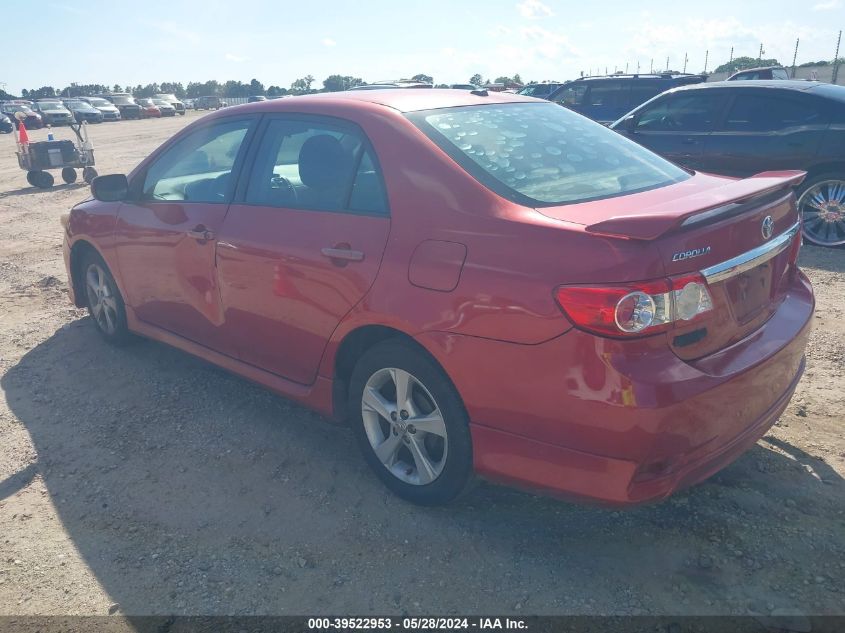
pixel 475 283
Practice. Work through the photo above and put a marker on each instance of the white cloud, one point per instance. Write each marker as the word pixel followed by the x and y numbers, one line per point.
pixel 327 41
pixel 827 6
pixel 171 29
pixel 231 57
pixel 533 9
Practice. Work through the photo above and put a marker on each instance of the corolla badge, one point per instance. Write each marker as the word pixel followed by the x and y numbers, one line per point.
pixel 694 252
pixel 768 227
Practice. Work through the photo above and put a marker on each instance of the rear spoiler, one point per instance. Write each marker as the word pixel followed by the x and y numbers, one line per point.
pixel 652 222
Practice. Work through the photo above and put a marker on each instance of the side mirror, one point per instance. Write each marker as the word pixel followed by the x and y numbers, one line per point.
pixel 628 124
pixel 110 188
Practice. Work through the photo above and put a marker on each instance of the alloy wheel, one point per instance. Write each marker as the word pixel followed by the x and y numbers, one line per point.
pixel 101 298
pixel 822 209
pixel 405 426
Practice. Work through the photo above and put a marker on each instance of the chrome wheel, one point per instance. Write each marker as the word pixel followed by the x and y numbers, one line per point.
pixel 822 208
pixel 404 426
pixel 101 298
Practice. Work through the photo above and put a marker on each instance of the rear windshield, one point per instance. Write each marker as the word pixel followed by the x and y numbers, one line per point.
pixel 540 154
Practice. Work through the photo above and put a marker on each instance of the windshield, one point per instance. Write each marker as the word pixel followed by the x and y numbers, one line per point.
pixel 16 108
pixel 542 154
pixel 168 97
pixel 50 105
pixel 99 103
pixel 123 100
pixel 77 104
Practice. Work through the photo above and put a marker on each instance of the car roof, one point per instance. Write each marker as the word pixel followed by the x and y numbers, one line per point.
pixel 401 100
pixel 638 76
pixel 751 70
pixel 769 84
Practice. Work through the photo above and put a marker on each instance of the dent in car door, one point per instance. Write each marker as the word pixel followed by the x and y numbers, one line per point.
pixel 303 243
pixel 166 237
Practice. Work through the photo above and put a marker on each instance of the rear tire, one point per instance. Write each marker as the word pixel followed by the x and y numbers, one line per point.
pixel 69 175
pixel 43 179
pixel 103 299
pixel 88 174
pixel 410 424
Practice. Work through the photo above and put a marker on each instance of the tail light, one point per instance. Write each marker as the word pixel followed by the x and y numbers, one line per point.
pixel 794 250
pixel 638 309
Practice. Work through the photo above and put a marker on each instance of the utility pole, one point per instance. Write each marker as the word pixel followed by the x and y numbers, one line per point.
pixel 706 58
pixel 626 68
pixel 651 68
pixel 686 59
pixel 730 61
pixel 667 62
pixel 795 57
pixel 836 59
pixel 638 67
pixel 760 56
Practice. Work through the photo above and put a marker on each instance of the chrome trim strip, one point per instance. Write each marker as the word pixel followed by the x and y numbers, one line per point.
pixel 748 260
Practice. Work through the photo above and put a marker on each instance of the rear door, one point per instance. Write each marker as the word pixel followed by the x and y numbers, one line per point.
pixel 166 236
pixel 677 125
pixel 766 129
pixel 302 243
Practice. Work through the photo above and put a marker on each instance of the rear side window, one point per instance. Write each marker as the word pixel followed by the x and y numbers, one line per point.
pixel 766 113
pixel 611 94
pixel 779 73
pixel 540 154
pixel 642 91
pixel 681 113
pixel 303 164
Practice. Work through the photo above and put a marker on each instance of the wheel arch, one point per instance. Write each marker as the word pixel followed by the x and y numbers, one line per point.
pixel 353 345
pixel 77 254
pixel 834 167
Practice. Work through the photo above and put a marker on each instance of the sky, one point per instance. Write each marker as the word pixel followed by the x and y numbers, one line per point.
pixel 277 41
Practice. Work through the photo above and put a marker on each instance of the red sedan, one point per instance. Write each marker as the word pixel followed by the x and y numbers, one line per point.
pixel 472 282
pixel 149 110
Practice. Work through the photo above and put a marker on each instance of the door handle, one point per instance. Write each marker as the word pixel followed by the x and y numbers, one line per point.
pixel 342 254
pixel 201 234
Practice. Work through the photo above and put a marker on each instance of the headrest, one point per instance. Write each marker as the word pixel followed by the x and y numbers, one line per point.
pixel 323 162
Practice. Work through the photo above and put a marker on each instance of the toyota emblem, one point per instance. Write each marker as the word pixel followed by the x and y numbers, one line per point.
pixel 768 227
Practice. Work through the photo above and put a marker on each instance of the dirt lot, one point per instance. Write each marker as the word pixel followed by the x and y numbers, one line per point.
pixel 145 481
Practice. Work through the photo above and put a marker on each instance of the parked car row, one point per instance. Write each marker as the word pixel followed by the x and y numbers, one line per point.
pixel 95 109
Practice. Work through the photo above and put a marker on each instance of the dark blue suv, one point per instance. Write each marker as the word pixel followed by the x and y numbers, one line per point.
pixel 606 98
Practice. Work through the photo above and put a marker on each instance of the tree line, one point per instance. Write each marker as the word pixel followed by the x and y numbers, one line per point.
pixel 231 88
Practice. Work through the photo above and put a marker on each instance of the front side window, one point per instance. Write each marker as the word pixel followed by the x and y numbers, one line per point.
pixel 198 167
pixel 303 164
pixel 681 113
pixel 540 154
pixel 764 113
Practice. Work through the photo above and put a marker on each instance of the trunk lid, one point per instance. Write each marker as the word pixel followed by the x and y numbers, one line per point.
pixel 739 233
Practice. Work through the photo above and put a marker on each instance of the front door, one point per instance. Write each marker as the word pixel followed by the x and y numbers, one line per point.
pixel 677 126
pixel 302 243
pixel 167 234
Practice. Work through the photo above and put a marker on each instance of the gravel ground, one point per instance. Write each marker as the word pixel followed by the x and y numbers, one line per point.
pixel 144 481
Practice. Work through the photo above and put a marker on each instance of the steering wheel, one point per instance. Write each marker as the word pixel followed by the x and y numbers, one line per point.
pixel 282 190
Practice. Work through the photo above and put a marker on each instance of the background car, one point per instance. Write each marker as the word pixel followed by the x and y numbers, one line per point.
pixel 149 110
pixel 189 104
pixel 6 125
pixel 53 112
pixel 464 87
pixel 541 91
pixel 104 106
pixel 32 121
pixel 256 98
pixel 172 100
pixel 606 98
pixel 379 85
pixel 83 111
pixel 741 128
pixel 165 107
pixel 209 103
pixel 125 103
pixel 764 72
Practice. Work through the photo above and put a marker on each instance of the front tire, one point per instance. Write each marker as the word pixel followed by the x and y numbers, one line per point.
pixel 410 424
pixel 103 300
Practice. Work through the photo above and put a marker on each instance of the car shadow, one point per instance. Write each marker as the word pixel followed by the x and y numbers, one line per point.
pixel 26 191
pixel 188 490
pixel 822 258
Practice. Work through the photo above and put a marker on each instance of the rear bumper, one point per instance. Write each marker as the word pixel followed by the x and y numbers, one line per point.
pixel 623 422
